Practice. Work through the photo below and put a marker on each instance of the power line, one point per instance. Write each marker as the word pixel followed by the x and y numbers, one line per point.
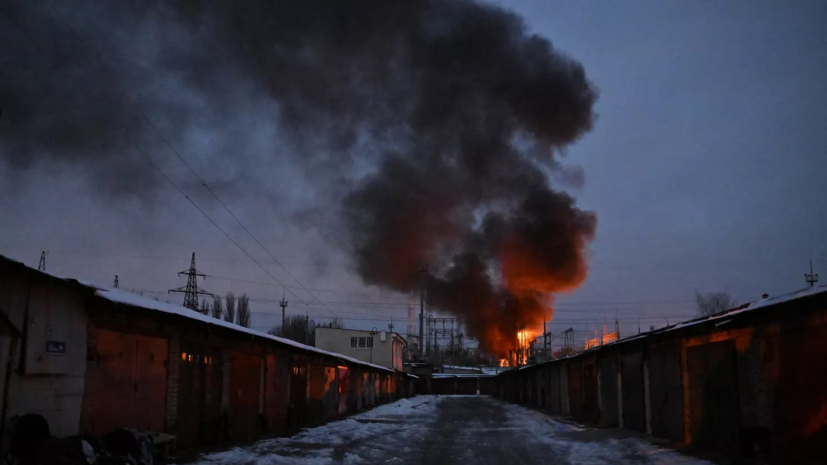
pixel 165 257
pixel 189 167
pixel 167 178
pixel 401 305
pixel 155 166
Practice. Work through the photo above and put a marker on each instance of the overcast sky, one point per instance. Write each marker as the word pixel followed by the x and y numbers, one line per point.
pixel 707 169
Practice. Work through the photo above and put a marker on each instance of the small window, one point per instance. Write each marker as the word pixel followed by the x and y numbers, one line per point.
pixel 370 342
pixel 354 342
pixel 362 342
pixel 183 356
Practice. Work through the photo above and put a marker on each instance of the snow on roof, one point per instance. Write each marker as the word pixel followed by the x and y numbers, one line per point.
pixel 744 308
pixel 751 306
pixel 134 300
pixel 51 275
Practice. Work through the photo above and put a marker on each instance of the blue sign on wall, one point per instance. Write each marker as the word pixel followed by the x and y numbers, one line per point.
pixel 55 348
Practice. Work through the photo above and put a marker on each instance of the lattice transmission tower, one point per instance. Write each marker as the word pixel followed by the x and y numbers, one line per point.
pixel 191 291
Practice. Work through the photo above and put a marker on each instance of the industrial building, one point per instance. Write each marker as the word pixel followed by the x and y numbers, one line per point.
pixel 380 347
pixel 90 358
pixel 749 381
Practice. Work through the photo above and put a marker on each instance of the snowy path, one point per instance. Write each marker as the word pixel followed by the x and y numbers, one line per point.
pixel 432 430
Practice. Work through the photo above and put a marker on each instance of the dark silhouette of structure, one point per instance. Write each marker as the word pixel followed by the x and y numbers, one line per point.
pixel 191 291
pixel 811 278
pixel 283 305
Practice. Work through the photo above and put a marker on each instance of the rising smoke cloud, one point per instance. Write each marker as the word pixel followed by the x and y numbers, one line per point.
pixel 439 120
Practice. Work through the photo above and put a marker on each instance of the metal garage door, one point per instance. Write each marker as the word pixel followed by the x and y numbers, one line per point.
pixel 200 383
pixel 713 395
pixel 126 383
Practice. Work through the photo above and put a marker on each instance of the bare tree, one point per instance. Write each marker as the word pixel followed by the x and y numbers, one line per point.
pixel 205 308
pixel 229 307
pixel 335 323
pixel 297 328
pixel 243 316
pixel 713 302
pixel 217 308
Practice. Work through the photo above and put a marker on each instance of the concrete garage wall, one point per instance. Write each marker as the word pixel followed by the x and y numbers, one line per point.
pixel 50 310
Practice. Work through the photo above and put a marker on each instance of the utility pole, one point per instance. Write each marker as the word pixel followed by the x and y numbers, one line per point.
pixel 423 273
pixel 116 284
pixel 191 291
pixel 638 321
pixel 42 265
pixel 283 305
pixel 810 278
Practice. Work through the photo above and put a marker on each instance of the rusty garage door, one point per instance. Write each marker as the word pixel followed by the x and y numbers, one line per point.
pixel 126 382
pixel 713 395
pixel 591 406
pixel 576 389
pixel 245 379
pixel 666 391
pixel 299 391
pixel 631 391
pixel 276 393
pixel 330 393
pixel 199 395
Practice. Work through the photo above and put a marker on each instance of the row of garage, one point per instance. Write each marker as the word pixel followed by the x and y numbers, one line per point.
pixel 746 382
pixel 122 360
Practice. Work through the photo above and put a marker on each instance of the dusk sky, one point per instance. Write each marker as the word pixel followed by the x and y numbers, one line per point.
pixel 706 168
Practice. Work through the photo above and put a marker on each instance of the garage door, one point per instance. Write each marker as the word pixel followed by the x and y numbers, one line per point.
pixel 126 382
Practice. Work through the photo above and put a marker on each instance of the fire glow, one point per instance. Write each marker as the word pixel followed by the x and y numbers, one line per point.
pixel 409 171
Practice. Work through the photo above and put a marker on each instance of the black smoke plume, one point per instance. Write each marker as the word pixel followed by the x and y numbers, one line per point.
pixel 438 121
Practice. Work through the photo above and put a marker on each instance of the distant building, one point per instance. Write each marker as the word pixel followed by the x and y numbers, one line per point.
pixel 381 348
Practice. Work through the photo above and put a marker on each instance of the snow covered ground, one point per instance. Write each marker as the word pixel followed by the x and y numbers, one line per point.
pixel 436 430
